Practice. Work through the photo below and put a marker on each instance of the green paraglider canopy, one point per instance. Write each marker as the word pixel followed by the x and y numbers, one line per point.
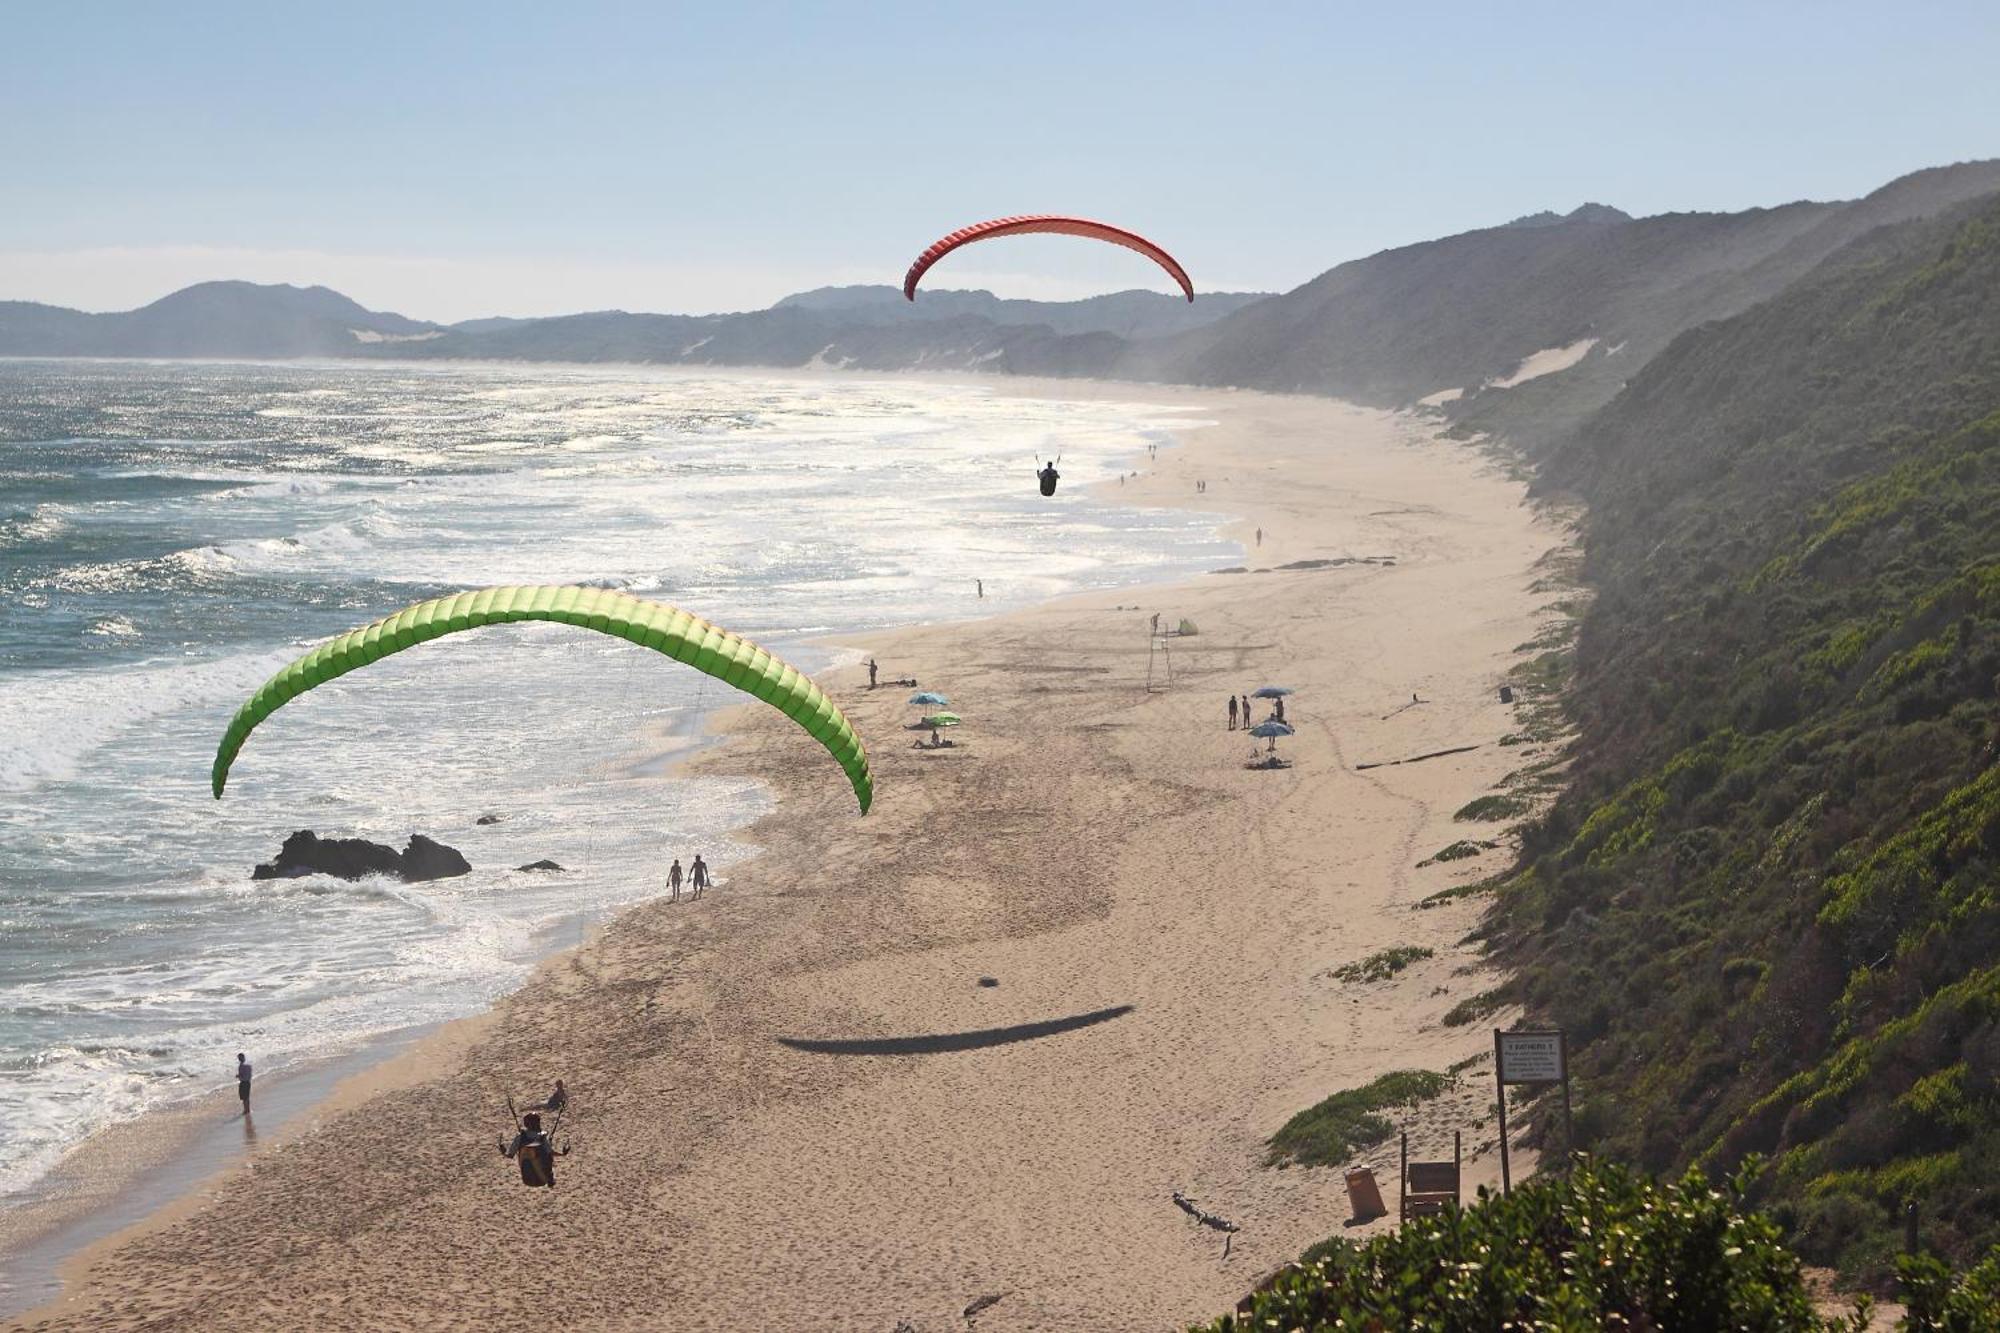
pixel 664 629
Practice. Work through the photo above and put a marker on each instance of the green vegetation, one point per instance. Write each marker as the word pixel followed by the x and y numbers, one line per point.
pixel 1767 910
pixel 1602 1249
pixel 1383 964
pixel 1479 1006
pixel 1328 1134
pixel 1457 851
pixel 1497 806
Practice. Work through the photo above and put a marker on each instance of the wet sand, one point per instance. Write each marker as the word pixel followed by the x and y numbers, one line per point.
pixel 797 1107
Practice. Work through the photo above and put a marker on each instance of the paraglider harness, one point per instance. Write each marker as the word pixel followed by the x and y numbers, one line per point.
pixel 535 1149
pixel 1048 475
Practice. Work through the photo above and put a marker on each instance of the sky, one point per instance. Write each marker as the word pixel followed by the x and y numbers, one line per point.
pixel 450 161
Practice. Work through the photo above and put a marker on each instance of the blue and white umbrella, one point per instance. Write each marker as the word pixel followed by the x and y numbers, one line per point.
pixel 1271 731
pixel 930 699
pixel 1273 692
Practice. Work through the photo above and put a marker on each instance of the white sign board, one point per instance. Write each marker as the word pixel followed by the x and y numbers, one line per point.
pixel 1531 1057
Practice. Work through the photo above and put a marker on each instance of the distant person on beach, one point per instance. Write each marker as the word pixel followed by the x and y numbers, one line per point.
pixel 532 1149
pixel 1246 712
pixel 557 1099
pixel 674 880
pixel 243 1082
pixel 1260 536
pixel 871 673
pixel 699 875
pixel 1278 709
pixel 981 585
pixel 1232 712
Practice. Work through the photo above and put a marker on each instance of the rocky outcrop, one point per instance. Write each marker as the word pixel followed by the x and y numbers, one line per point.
pixel 543 864
pixel 306 853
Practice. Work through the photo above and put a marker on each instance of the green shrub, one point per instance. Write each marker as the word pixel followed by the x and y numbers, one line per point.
pixel 1382 965
pixel 1489 808
pixel 1476 1008
pixel 1328 1133
pixel 1603 1249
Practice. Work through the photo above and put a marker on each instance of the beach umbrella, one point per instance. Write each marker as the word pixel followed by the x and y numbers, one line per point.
pixel 929 699
pixel 1271 731
pixel 940 720
pixel 1272 692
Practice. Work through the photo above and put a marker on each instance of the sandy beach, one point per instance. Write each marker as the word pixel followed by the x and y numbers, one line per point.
pixel 797 1107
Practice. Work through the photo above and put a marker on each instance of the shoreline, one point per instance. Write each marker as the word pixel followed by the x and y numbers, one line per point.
pixel 925 924
pixel 131 1176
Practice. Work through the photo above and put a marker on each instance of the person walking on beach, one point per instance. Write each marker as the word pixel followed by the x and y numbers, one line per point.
pixel 1232 712
pixel 871 673
pixel 699 877
pixel 243 1082
pixel 674 881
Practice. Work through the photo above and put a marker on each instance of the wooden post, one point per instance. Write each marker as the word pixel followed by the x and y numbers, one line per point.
pixel 1569 1126
pixel 1403 1181
pixel 1500 1085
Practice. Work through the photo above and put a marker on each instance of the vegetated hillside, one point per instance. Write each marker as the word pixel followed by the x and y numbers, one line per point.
pixel 1129 314
pixel 785 336
pixel 1768 909
pixel 209 319
pixel 1460 312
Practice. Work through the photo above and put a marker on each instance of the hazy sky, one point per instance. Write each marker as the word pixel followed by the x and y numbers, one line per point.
pixel 449 161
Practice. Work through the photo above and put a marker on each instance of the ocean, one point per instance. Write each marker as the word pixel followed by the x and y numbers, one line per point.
pixel 170 534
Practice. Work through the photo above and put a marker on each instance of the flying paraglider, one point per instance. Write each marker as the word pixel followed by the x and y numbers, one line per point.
pixel 664 629
pixel 1044 223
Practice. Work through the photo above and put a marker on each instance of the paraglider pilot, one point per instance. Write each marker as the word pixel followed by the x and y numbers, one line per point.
pixel 1048 476
pixel 532 1149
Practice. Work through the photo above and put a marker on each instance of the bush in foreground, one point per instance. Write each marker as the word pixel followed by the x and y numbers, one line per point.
pixel 1603 1249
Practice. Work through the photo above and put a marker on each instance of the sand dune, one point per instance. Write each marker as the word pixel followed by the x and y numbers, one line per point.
pixel 744 1158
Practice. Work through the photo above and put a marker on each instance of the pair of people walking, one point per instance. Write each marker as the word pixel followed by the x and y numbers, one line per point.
pixel 1239 712
pixel 696 877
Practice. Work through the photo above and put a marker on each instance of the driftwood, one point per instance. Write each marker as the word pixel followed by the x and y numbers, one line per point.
pixel 1210 1220
pixel 1416 758
pixel 982 1303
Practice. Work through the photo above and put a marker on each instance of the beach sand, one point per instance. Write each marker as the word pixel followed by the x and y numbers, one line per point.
pixel 1088 845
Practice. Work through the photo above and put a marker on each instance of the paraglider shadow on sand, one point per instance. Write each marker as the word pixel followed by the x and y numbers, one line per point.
pixel 935 1043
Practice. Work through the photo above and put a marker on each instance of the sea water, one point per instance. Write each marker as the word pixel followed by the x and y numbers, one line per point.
pixel 170 534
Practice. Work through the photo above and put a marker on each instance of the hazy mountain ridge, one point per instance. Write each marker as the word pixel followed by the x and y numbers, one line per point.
pixel 870 328
pixel 210 319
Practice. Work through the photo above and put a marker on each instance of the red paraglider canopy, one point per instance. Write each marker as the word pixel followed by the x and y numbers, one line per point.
pixel 1044 223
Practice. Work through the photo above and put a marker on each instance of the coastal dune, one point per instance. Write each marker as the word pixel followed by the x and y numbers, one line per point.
pixel 797 1104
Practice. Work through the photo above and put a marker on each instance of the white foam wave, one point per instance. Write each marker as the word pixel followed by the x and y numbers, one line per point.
pixel 51 722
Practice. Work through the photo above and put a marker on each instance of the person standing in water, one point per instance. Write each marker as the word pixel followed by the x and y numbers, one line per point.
pixel 981 585
pixel 674 881
pixel 699 875
pixel 243 1082
pixel 1232 712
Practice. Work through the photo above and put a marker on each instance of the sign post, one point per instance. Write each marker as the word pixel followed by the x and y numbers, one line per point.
pixel 1535 1059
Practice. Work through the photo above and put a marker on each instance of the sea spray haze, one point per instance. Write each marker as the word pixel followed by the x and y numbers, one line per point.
pixel 169 534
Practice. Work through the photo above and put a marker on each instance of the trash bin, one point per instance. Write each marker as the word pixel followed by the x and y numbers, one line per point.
pixel 1506 694
pixel 1363 1195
